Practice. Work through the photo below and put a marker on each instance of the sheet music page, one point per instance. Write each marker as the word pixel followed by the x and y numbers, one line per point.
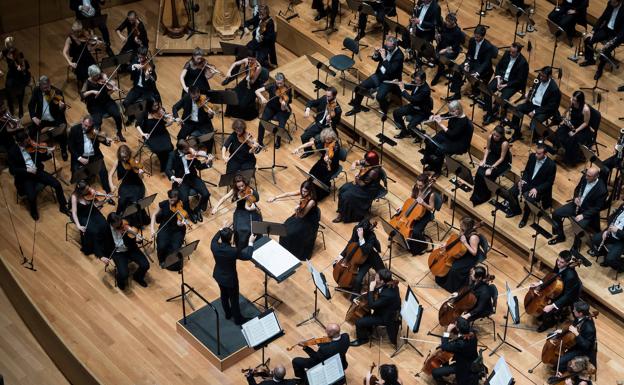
pixel 333 369
pixel 270 325
pixel 275 258
pixel 253 331
pixel 502 374
pixel 318 281
pixel 511 303
pixel 316 375
pixel 409 310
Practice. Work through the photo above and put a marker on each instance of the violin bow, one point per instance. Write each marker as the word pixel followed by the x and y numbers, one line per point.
pixel 109 79
pixel 150 133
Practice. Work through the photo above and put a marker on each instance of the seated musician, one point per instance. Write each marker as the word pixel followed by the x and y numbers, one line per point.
pixel 277 107
pixel 26 165
pixel 464 349
pixel 574 130
pixel 535 186
pixel 384 300
pixel 172 227
pixel 130 188
pixel 255 75
pixel 567 14
pixel 328 162
pixel 95 94
pixel 584 329
pixel 419 107
pixel 389 67
pixel 197 72
pixel 589 198
pixel 451 139
pixel 355 199
pixel 76 51
pixel 122 248
pixel 196 116
pixel 143 76
pixel 136 34
pixel 511 75
pixel 262 27
pixel 423 193
pixel 182 167
pixel 84 146
pixel 496 161
pixel 87 10
pixel 608 29
pixel 382 9
pixel 459 274
pixel 450 39
pixel 553 312
pixel 326 8
pixel 479 283
pixel 339 345
pixel 478 62
pixel 388 373
pixel 426 16
pixel 239 149
pixel 277 376
pixel 581 370
pixel 89 220
pixel 328 113
pixel 542 102
pixel 610 242
pixel 47 110
pixel 152 128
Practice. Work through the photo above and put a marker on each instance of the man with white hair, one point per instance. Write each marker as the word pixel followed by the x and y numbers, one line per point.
pixel 95 93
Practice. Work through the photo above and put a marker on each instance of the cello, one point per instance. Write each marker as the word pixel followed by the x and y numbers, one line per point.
pixel 359 308
pixel 441 259
pixel 347 268
pixel 561 341
pixel 411 212
pixel 174 19
pixel 541 295
pixel 456 306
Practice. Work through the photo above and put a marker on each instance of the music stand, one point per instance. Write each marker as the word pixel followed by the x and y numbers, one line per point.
pixel 538 213
pixel 314 179
pixel 191 9
pixel 320 283
pixel 539 128
pixel 383 138
pixel 260 331
pixel 318 85
pixel 501 375
pixel 411 312
pixel 223 97
pixel 327 372
pixel 422 47
pixel 580 235
pixel 393 236
pixel 290 9
pixel 358 6
pixel 595 89
pixel 498 191
pixel 228 179
pixel 591 157
pixel 395 27
pixel 482 12
pixel 237 50
pixel 86 171
pixel 518 13
pixel 178 257
pixel 513 312
pixel 557 31
pixel 461 172
pixel 276 131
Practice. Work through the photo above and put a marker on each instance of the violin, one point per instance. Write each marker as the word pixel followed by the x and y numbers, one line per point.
pixel 10 122
pixel 411 212
pixel 363 171
pixel 59 100
pixel 246 137
pixel 441 259
pixel 134 165
pixel 282 93
pixel 248 195
pixel 18 57
pixel 108 83
pixel 202 102
pixel 330 151
pixel 262 372
pixel 541 295
pixel 131 231
pixel 94 135
pixel 347 268
pixel 331 108
pixel 194 154
pixel 562 341
pixel 181 214
pixel 92 195
pixel 311 342
pixel 303 203
pixel 360 308
pixel 373 380
pixel 40 147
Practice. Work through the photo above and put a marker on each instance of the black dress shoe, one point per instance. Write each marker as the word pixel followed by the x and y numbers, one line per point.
pixel 455 96
pixel 515 138
pixel 193 217
pixel 488 119
pixel 200 217
pixel 353 111
pixel 278 145
pixel 593 252
pixel 604 264
pixel 358 342
pixel 338 219
pixel 64 155
pixel 140 281
pixel 401 135
pixel 522 223
pixel 318 17
pixel 511 214
pixel 587 63
pixel 64 210
pixel 121 137
pixel 556 240
pixel 621 88
pixel 35 215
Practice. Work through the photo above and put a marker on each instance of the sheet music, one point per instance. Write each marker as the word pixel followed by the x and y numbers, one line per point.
pixel 275 258
pixel 258 330
pixel 502 374
pixel 327 372
pixel 410 310
pixel 512 304
pixel 320 283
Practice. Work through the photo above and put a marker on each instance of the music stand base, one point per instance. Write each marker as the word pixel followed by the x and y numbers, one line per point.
pixel 503 342
pixel 185 295
pixel 28 264
pixel 313 317
pixel 265 298
pixel 272 168
pixel 530 273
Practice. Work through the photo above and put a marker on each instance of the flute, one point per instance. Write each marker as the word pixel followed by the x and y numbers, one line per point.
pixel 397 82
pixel 441 118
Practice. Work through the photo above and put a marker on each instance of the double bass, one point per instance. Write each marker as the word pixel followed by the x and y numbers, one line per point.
pixel 541 295
pixel 411 212
pixel 441 259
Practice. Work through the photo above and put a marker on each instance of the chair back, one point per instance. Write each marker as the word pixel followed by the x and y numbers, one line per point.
pixel 352 45
pixel 437 201
pixel 484 248
pixel 342 154
pixel 595 117
pixel 494 296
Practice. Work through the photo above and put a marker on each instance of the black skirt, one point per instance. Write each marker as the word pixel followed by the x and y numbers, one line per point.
pixel 93 241
pixel 302 234
pixel 355 201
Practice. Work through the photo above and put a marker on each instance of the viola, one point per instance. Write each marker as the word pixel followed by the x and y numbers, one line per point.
pixel 8 121
pixel 311 342
pixel 248 195
pixel 92 194
pixel 18 57
pixel 331 108
pixel 539 296
pixel 181 214
pixel 411 212
pixel 134 165
pixel 94 135
pixel 246 137
pixel 262 372
pixel 130 231
pixel 282 93
pixel 441 259
pixel 108 83
pixel 59 100
pixel 202 102
pixel 330 151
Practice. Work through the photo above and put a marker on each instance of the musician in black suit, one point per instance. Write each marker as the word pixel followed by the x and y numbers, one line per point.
pixel 479 283
pixel 136 34
pixel 478 61
pixel 590 195
pixel 464 349
pixel 389 67
pixel 568 14
pixel 512 72
pixel 225 273
pixel 275 107
pixel 84 147
pixel 382 9
pixel 419 107
pixel 325 117
pixel 90 9
pixel 278 375
pixel 183 174
pixel 196 115
pixel 542 102
pixel 263 33
pixel 536 184
pixel 143 76
pixel 426 18
pixel 584 329
pixel 609 27
pixel 45 111
pixel 450 39
pixel 338 345
pixel 610 242
pixel 28 171
pixel 384 300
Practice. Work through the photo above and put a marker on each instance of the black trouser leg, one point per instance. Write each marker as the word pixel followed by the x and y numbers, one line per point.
pixel 438 374
pixel 113 110
pixel 48 180
pixel 198 185
pixel 567 210
pixel 121 265
pixel 313 130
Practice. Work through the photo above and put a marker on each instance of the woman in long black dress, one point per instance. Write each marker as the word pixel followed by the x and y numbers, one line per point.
pixel 496 160
pixel 246 211
pixel 131 188
pixel 76 52
pixel 17 76
pixel 153 129
pixel 239 149
pixel 197 72
pixel 327 164
pixel 355 199
pixel 171 229
pixel 85 211
pixel 574 130
pixel 303 225
pixel 459 273
pixel 255 77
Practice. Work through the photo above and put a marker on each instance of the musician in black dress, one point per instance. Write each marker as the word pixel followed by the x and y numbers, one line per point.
pixel 86 11
pixel 496 160
pixel 136 34
pixel 384 300
pixel 535 185
pixel 355 199
pixel 130 188
pixel 449 42
pixel 574 130
pixel 589 198
pixel 302 226
pixel 423 195
pixel 28 171
pixel 143 76
pixel 225 273
pixel 478 62
pixel 95 94
pixel 451 139
pixel 246 199
pixel 459 273
pixel 196 116
pixel 464 349
pixel 89 220
pixel 123 249
pixel 480 286
pixel 84 146
pixel 568 14
pixel 263 36
pixel 584 329
pixel 171 229
pixel 338 345
pixel 277 107
pixel 182 167
pixel 255 75
pixel 328 113
pixel 419 107
pixel 197 72
pixel 610 242
pixel 17 76
pixel 47 112
pixel 153 130
pixel 239 149
pixel 76 52
pixel 382 9
pixel 569 295
pixel 328 162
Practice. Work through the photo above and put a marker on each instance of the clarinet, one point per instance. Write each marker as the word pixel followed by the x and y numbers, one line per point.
pixel 533 89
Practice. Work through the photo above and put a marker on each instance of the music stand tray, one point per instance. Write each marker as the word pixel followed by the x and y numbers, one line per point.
pixel 228 179
pixel 396 236
pixel 461 171
pixel 238 50
pixel 315 180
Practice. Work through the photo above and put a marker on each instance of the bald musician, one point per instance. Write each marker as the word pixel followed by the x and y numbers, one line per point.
pixel 279 374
